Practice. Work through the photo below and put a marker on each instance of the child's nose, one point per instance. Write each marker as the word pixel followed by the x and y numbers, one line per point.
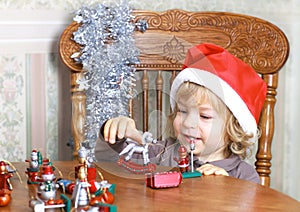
pixel 191 121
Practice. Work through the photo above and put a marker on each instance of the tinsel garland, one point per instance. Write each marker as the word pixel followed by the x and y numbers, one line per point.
pixel 108 56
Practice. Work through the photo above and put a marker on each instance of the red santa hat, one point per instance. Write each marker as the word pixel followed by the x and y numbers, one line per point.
pixel 232 80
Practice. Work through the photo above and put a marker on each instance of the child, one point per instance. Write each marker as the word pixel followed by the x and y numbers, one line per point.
pixel 216 102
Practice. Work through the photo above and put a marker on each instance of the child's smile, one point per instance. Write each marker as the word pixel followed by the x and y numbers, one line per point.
pixel 201 124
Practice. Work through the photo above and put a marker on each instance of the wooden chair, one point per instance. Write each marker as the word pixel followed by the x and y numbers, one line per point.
pixel 163 47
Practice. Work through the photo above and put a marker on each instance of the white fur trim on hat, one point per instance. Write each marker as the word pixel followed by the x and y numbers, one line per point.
pixel 225 92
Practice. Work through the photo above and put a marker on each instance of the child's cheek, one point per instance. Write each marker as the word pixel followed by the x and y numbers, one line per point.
pixel 176 126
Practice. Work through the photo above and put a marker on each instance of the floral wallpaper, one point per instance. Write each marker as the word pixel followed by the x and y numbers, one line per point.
pixel 17 136
pixel 12 114
pixel 52 107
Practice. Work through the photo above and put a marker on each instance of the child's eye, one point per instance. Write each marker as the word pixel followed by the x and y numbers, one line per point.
pixel 205 116
pixel 181 111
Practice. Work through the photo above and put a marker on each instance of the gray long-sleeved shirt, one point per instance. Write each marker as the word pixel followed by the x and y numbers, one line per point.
pixel 164 153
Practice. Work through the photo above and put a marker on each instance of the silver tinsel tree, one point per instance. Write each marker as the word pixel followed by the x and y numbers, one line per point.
pixel 108 56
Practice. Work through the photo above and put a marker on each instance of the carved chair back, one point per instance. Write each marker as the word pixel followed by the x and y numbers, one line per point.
pixel 162 50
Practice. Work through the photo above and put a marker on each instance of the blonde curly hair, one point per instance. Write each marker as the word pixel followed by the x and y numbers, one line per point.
pixel 236 138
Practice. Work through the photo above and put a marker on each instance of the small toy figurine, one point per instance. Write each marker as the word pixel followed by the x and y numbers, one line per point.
pixel 5 185
pixel 35 163
pixel 85 184
pixel 47 191
pixel 104 197
pixel 33 169
pixel 191 173
pixel 183 161
pixel 134 147
pixel 48 186
pixel 81 194
pixel 85 159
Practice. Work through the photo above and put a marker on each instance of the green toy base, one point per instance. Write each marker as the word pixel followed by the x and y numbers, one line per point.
pixel 191 174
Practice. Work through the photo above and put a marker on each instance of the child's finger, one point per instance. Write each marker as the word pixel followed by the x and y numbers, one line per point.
pixel 106 130
pixel 205 169
pixel 221 172
pixel 113 131
pixel 122 128
pixel 208 169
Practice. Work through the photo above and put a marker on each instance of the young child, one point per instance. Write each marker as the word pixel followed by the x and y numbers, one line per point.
pixel 216 102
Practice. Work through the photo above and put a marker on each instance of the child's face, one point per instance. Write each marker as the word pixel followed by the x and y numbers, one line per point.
pixel 201 123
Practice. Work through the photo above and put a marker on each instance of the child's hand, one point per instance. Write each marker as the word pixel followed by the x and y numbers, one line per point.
pixel 121 127
pixel 209 169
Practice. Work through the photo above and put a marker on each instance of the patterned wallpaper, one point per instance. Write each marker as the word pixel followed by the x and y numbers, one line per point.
pixel 31 113
pixel 12 114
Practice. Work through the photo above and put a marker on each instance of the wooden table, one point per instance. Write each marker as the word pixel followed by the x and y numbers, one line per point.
pixel 207 193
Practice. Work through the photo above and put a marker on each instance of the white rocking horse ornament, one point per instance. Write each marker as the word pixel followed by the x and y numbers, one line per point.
pixel 134 147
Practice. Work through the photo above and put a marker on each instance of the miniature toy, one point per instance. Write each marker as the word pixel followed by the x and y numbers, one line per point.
pixel 48 186
pixel 192 148
pixel 66 185
pixel 87 191
pixel 105 196
pixel 35 163
pixel 191 173
pixel 38 205
pixel 47 190
pixel 5 185
pixel 134 147
pixel 85 159
pixel 163 179
pixel 81 194
pixel 33 169
pixel 183 161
